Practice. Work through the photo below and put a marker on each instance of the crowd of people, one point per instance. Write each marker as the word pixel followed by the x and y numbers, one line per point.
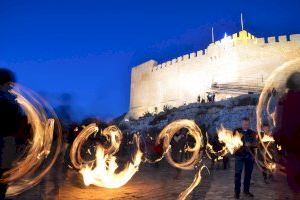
pixel 15 129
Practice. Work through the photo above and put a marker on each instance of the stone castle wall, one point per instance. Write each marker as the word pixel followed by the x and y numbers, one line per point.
pixel 237 59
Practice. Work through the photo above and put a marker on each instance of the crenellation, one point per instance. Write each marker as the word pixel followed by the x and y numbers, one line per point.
pixel 282 38
pixel 186 57
pixel 248 61
pixel 260 40
pixel 235 36
pixel 192 55
pixel 295 37
pixel 271 39
pixel 199 53
pixel 179 58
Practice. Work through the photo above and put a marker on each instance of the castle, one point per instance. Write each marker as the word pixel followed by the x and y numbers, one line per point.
pixel 236 64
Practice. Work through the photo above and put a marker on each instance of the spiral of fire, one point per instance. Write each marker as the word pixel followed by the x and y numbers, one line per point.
pixel 194 131
pixel 42 151
pixel 167 134
pixel 102 171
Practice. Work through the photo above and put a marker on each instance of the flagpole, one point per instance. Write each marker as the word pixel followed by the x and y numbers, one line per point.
pixel 212 35
pixel 242 21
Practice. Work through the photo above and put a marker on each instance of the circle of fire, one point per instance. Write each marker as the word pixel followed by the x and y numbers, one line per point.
pixel 266 109
pixel 102 171
pixel 167 134
pixel 40 155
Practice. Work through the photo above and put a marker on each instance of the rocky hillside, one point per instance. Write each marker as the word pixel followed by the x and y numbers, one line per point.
pixel 209 116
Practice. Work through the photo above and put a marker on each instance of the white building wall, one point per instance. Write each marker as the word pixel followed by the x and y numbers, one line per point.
pixel 241 59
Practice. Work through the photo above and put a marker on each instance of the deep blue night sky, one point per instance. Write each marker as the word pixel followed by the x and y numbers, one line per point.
pixel 86 48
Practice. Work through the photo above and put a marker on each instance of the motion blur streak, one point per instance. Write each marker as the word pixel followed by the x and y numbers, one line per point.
pixel 102 171
pixel 193 130
pixel 41 153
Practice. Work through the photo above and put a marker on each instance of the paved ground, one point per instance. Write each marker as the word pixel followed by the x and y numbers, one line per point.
pixel 155 183
pixel 223 183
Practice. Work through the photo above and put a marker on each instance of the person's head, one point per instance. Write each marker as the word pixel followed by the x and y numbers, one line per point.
pixel 245 123
pixel 266 127
pixel 6 77
pixel 293 82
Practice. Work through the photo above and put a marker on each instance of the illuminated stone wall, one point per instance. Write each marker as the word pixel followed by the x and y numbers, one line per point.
pixel 240 58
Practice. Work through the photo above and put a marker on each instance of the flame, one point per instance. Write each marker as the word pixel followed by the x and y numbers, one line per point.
pixel 194 184
pixel 36 162
pixel 279 147
pixel 102 171
pixel 104 175
pixel 232 141
pixel 267 163
pixel 266 108
pixel 267 138
pixel 193 130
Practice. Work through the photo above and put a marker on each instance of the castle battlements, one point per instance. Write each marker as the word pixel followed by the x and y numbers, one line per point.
pixel 243 38
pixel 235 60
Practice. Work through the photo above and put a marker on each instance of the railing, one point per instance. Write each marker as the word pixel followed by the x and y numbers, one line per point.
pixel 236 88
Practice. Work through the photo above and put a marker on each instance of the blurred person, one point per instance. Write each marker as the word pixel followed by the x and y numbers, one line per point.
pixel 226 161
pixel 178 144
pixel 287 129
pixel 267 174
pixel 73 132
pixel 244 158
pixel 12 120
pixel 216 146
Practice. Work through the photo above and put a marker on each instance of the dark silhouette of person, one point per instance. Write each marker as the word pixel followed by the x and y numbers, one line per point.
pixel 11 120
pixel 199 99
pixel 211 97
pixel 287 129
pixel 244 158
